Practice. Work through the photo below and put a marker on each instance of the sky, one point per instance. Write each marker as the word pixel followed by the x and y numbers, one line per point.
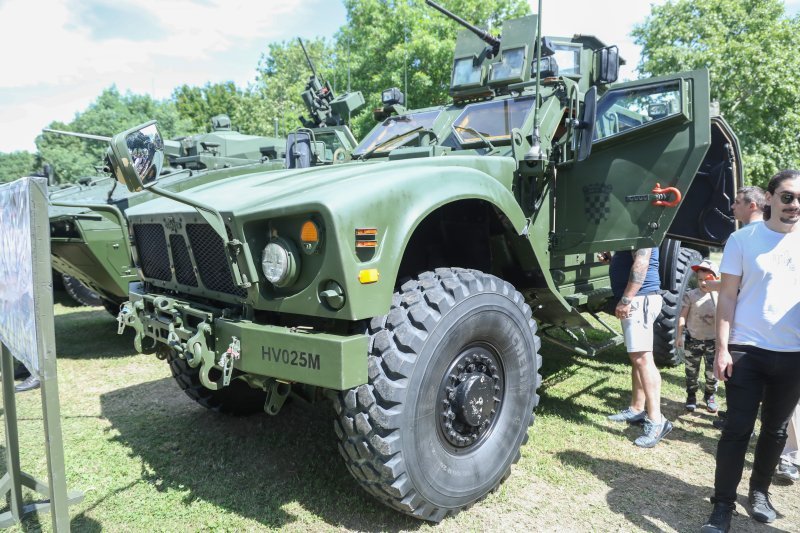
pixel 60 54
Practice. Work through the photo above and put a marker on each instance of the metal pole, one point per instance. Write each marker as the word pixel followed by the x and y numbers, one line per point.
pixel 12 480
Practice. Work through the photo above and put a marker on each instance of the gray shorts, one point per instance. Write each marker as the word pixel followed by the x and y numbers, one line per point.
pixel 638 327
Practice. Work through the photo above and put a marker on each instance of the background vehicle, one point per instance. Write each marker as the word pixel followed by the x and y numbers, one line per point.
pixel 411 281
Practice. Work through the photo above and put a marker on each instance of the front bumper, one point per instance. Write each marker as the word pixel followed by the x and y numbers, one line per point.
pixel 206 338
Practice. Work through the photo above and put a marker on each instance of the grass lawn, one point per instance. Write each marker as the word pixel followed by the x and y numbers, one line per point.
pixel 150 459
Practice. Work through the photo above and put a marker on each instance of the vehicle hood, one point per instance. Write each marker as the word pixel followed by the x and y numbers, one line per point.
pixel 284 189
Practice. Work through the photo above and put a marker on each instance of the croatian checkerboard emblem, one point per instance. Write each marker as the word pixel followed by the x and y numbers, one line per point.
pixel 596 201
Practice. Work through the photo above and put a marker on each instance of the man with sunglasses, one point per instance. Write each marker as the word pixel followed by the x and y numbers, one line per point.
pixel 758 347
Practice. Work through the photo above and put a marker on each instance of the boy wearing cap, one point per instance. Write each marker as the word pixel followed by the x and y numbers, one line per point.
pixel 697 318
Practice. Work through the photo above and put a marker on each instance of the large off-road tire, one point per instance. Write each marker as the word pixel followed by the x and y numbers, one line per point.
pixel 238 398
pixel 80 292
pixel 666 326
pixel 453 374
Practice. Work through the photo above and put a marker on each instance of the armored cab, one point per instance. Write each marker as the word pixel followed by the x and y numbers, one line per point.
pixel 414 281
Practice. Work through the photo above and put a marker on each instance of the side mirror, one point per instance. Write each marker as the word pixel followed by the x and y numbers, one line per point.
pixel 608 67
pixel 298 150
pixel 587 124
pixel 138 156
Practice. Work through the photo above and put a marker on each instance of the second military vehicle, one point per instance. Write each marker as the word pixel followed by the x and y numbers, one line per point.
pixel 413 283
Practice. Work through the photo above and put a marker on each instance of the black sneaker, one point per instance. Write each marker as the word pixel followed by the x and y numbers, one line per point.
pixel 720 519
pixel 691 401
pixel 653 433
pixel 761 508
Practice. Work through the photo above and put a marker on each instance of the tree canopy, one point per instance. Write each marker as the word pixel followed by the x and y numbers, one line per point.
pixel 14 165
pixel 752 52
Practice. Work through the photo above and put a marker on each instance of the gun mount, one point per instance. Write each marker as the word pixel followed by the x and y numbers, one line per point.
pixel 324 108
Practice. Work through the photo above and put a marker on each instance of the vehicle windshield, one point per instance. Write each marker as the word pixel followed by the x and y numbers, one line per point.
pixel 493 120
pixel 393 127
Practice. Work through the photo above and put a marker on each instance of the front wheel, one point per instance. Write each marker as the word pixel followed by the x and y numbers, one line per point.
pixel 453 374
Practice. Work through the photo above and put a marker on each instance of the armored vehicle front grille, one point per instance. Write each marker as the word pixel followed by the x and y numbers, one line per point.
pixel 211 259
pixel 152 247
pixel 184 271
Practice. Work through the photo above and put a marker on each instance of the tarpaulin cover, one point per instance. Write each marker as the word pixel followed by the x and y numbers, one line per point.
pixel 17 317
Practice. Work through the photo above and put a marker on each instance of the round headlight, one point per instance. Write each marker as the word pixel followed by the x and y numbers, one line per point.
pixel 279 263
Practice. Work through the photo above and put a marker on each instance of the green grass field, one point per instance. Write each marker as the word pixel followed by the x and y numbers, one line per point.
pixel 150 459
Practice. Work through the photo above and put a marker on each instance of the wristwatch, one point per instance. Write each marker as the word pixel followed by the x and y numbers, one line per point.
pixel 625 300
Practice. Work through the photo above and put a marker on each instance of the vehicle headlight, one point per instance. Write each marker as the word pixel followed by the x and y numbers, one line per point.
pixel 279 262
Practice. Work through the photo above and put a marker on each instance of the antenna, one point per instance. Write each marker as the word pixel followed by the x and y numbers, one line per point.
pixel 348 62
pixel 535 153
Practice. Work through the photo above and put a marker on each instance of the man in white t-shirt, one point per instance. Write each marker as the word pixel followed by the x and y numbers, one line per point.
pixel 758 347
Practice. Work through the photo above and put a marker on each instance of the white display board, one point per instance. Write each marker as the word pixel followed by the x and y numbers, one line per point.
pixel 17 313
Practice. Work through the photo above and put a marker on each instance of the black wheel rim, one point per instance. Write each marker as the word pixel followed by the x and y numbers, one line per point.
pixel 470 397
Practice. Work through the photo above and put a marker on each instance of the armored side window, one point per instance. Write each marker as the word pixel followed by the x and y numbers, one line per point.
pixel 466 73
pixel 626 109
pixel 493 120
pixel 568 58
pixel 510 65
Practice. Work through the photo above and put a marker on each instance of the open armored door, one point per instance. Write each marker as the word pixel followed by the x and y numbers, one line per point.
pixel 650 135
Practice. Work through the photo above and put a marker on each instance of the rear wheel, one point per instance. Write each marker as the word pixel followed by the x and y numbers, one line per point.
pixel 666 325
pixel 238 398
pixel 453 373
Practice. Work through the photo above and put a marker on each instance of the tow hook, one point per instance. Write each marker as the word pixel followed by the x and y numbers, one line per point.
pixel 127 317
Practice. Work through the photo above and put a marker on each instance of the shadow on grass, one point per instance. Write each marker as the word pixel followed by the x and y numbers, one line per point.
pixel 559 366
pixel 256 467
pixel 91 333
pixel 649 498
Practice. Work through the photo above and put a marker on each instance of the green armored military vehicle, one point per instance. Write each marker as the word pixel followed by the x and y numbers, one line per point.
pixel 89 241
pixel 413 282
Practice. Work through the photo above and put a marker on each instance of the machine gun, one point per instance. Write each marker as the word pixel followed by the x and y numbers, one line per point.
pixel 317 98
pixel 325 108
pixel 483 35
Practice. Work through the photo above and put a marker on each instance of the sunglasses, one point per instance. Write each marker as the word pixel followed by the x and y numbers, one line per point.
pixel 787 197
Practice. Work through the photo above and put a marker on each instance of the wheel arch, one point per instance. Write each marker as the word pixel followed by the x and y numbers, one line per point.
pixel 436 190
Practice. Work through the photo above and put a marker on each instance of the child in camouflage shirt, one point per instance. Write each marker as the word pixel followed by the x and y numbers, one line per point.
pixel 697 317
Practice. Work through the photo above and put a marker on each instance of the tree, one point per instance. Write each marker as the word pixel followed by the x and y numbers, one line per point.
pixel 14 165
pixel 73 158
pixel 199 104
pixel 753 55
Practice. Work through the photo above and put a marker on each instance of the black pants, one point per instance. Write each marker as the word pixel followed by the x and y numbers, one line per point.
pixel 771 379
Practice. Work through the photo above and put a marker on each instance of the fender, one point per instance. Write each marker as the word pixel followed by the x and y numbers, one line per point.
pixel 425 184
